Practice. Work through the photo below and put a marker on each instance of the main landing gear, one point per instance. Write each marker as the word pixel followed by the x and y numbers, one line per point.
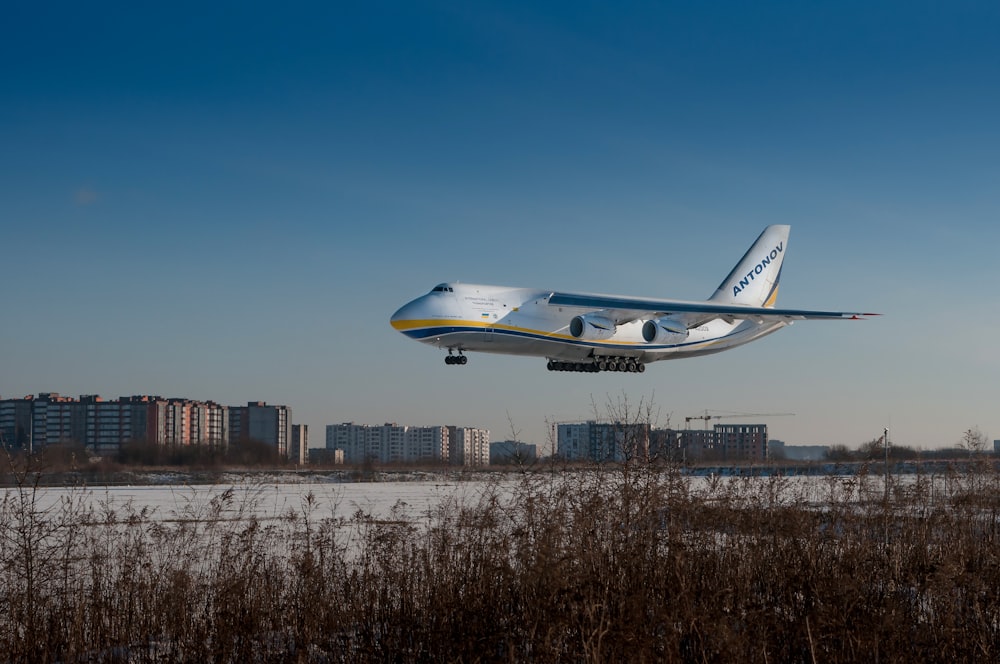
pixel 455 359
pixel 625 364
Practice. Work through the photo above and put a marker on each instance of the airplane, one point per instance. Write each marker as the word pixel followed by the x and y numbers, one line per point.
pixel 587 332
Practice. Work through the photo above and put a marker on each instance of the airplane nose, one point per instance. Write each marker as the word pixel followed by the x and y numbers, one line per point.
pixel 398 316
pixel 405 313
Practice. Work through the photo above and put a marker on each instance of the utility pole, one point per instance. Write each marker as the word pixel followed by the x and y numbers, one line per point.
pixel 885 440
pixel 885 503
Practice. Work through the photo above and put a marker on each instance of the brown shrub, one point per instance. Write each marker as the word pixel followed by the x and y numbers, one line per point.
pixel 634 563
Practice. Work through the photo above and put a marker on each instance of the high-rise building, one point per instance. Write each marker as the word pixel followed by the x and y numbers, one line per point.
pixel 394 443
pixel 427 444
pixel 468 446
pixel 15 423
pixel 602 441
pixel 664 445
pixel 725 442
pixel 262 423
pixel 385 443
pixel 183 422
pixel 742 442
pixel 573 440
pixel 108 423
pixel 351 438
pixel 699 444
pixel 55 419
pixel 298 451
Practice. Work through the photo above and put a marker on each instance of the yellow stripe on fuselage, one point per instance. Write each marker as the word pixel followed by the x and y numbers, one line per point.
pixel 431 323
pixel 416 323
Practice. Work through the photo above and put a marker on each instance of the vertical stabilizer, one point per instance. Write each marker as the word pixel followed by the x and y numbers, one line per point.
pixel 754 280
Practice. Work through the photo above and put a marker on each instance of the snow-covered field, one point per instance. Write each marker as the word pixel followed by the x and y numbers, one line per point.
pixel 268 497
pixel 265 500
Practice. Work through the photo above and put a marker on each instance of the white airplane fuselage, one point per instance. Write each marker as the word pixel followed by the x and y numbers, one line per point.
pixel 520 321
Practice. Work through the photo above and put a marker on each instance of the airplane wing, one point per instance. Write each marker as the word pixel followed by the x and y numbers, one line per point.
pixel 692 314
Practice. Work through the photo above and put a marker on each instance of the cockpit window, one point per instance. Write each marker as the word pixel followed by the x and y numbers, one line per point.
pixel 442 289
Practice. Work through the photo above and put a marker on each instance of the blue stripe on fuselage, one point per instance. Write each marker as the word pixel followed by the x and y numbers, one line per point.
pixel 429 332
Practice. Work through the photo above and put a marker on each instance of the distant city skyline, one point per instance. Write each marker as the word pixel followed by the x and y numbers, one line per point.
pixel 226 203
pixel 106 426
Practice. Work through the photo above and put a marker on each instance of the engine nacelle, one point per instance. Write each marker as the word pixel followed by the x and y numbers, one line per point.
pixel 591 327
pixel 664 331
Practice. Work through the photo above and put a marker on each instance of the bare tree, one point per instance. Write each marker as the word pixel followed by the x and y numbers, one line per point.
pixel 626 437
pixel 873 449
pixel 839 453
pixel 973 441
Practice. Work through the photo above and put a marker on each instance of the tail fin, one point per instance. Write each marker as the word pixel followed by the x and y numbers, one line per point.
pixel 754 280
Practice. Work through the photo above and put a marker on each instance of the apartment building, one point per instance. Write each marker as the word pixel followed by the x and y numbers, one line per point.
pixel 351 439
pixel 602 441
pixel 742 442
pixel 15 423
pixel 394 443
pixel 32 422
pixel 257 421
pixel 468 446
pixel 55 419
pixel 298 452
pixel 428 443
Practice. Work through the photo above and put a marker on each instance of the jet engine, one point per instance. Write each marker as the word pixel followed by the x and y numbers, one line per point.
pixel 664 331
pixel 591 327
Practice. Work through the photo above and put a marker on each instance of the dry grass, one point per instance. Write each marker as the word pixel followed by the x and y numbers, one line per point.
pixel 624 564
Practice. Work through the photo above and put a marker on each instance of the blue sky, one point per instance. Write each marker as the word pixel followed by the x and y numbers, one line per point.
pixel 228 201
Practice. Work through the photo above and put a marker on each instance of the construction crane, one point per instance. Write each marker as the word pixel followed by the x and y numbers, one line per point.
pixel 706 417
